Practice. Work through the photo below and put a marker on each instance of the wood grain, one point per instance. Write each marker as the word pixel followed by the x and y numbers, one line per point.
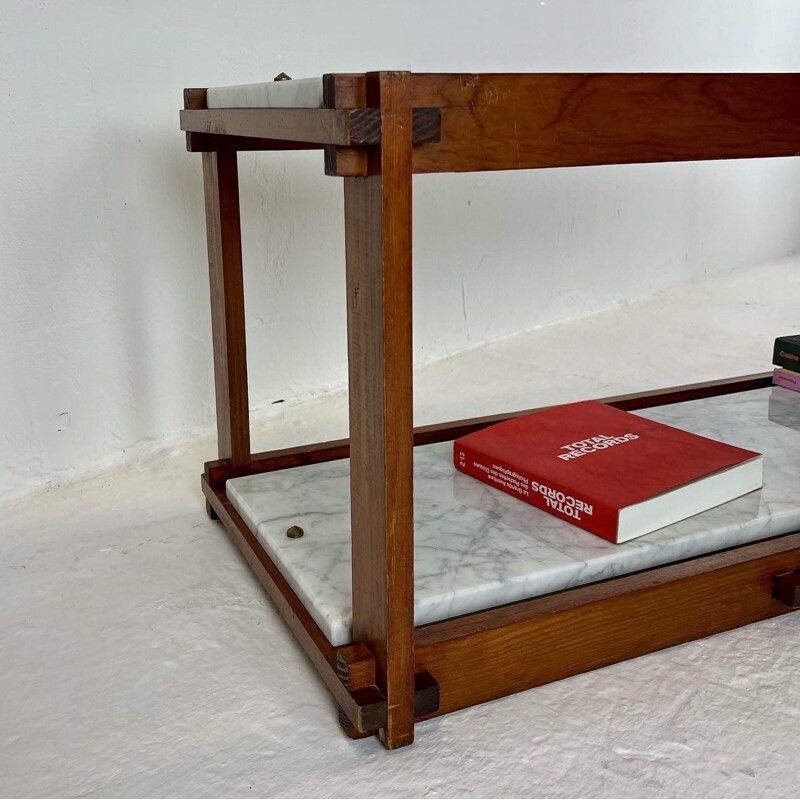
pixel 344 90
pixel 347 671
pixel 221 182
pixel 350 730
pixel 346 162
pixel 365 125
pixel 319 125
pixel 378 255
pixel 523 121
pixel 195 98
pixel 359 126
pixel 495 653
pixel 355 666
pixel 364 706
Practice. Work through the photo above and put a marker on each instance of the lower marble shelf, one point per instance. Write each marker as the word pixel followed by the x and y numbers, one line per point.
pixel 476 547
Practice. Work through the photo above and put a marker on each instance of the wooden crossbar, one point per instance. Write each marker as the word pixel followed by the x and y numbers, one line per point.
pixel 219 471
pixel 491 654
pixel 508 121
pixel 319 126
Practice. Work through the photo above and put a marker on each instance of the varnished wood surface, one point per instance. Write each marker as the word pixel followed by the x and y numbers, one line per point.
pixel 366 124
pixel 360 126
pixel 346 162
pixel 523 121
pixel 446 431
pixel 365 706
pixel 347 671
pixel 195 98
pixel 495 653
pixel 378 256
pixel 221 182
pixel 319 125
pixel 344 90
pixel 355 666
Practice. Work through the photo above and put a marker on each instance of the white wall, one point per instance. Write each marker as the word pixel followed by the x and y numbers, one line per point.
pixel 104 322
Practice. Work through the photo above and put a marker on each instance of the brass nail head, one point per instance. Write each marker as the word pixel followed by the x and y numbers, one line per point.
pixel 294 532
pixel 282 77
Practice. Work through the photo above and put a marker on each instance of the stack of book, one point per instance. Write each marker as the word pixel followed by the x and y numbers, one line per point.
pixel 786 358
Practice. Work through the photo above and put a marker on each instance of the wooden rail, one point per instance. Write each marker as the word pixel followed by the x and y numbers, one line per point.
pixel 495 653
pixel 217 472
pixel 319 126
pixel 507 121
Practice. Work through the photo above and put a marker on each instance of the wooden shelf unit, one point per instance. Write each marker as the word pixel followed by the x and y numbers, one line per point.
pixel 377 130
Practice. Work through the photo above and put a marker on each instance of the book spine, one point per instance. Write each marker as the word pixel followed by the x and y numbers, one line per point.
pixel 596 518
pixel 787 379
pixel 786 354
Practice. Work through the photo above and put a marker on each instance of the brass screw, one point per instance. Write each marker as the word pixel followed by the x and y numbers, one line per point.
pixel 282 77
pixel 294 532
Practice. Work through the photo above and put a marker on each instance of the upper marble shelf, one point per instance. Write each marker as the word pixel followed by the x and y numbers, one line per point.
pixel 476 547
pixel 302 93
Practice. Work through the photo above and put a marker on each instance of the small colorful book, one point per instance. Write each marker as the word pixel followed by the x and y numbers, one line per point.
pixel 612 473
pixel 786 378
pixel 786 353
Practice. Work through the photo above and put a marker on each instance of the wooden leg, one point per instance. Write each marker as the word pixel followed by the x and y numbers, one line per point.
pixel 221 180
pixel 378 246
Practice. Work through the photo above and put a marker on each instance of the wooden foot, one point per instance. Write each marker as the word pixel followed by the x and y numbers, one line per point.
pixel 350 731
pixel 210 511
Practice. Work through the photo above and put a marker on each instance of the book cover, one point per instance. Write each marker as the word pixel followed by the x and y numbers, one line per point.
pixel 786 353
pixel 786 378
pixel 614 474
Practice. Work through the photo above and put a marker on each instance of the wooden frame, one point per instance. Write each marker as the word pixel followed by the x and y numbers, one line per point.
pixel 377 129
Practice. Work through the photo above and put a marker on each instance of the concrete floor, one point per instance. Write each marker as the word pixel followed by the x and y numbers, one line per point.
pixel 139 657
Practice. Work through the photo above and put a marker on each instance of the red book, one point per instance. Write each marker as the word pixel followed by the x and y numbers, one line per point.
pixel 614 474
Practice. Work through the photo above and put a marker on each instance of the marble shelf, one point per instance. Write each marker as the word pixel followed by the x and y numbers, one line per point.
pixel 476 547
pixel 302 93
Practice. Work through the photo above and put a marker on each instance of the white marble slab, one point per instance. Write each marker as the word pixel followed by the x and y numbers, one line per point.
pixel 301 93
pixel 476 547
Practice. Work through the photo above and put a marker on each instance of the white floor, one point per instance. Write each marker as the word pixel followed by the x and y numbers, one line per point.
pixel 139 657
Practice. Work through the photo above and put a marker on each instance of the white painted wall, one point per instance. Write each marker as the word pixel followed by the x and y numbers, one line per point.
pixel 104 322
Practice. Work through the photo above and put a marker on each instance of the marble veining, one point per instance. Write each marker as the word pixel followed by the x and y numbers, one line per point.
pixel 476 547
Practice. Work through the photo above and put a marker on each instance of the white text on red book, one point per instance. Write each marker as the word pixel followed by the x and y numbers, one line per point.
pixel 593 445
